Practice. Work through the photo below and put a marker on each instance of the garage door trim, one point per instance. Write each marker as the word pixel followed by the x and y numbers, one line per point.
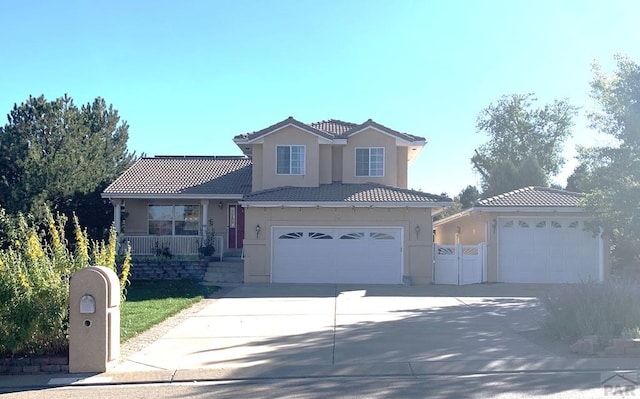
pixel 400 229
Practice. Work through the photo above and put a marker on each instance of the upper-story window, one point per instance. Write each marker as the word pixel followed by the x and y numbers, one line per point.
pixel 290 160
pixel 179 220
pixel 370 161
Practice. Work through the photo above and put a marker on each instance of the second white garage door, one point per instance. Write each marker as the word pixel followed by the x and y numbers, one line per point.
pixel 546 250
pixel 337 255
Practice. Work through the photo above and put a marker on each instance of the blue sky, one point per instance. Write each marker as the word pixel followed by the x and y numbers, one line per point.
pixel 187 76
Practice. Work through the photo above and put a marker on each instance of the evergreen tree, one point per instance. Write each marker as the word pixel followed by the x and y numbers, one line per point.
pixel 55 154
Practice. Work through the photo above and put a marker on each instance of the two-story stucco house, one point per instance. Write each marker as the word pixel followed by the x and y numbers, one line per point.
pixel 324 202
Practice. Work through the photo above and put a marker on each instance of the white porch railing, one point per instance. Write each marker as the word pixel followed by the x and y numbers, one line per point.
pixel 177 245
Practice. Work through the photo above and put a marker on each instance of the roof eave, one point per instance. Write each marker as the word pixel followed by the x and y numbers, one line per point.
pixel 371 124
pixel 342 204
pixel 111 196
pixel 251 138
pixel 530 209
pixel 498 209
pixel 454 217
pixel 398 137
pixel 413 151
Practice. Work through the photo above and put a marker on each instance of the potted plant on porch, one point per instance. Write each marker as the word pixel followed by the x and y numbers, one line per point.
pixel 207 249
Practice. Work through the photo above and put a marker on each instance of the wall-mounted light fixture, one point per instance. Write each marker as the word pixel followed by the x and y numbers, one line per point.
pixel 257 231
pixel 220 205
pixel 417 229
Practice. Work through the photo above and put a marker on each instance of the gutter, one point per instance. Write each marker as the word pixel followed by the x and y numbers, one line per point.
pixel 474 210
pixel 342 204
pixel 171 196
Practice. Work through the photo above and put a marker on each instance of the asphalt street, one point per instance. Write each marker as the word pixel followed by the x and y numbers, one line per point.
pixel 509 385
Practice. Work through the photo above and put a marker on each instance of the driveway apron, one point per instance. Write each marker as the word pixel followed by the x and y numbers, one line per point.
pixel 331 325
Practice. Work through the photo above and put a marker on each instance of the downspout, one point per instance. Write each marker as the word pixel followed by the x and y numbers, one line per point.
pixel 601 258
pixel 485 245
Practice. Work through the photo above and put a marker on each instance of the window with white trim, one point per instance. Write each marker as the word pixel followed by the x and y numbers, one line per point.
pixel 290 159
pixel 370 162
pixel 178 220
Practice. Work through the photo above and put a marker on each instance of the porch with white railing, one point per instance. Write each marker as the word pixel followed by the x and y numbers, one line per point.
pixel 177 245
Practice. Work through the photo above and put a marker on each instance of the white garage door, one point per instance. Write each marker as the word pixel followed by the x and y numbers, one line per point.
pixel 546 250
pixel 337 255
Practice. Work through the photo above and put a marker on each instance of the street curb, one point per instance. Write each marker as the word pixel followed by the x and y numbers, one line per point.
pixel 377 370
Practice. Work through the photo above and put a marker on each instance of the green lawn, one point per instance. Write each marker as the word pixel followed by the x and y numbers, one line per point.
pixel 151 302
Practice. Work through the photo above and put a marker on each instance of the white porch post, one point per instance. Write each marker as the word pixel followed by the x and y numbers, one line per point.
pixel 205 218
pixel 117 215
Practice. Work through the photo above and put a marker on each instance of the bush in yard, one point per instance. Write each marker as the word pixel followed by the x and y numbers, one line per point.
pixel 604 309
pixel 35 267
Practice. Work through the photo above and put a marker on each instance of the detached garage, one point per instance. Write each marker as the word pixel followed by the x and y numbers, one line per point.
pixel 547 250
pixel 532 235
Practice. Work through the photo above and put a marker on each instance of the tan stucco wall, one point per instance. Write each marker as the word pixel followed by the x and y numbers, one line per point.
pixel 417 251
pixel 136 221
pixel 370 138
pixel 325 164
pixel 402 166
pixel 336 162
pixel 472 228
pixel 472 231
pixel 290 136
pixel 257 169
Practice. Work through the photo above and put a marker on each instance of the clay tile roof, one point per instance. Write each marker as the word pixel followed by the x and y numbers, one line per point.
pixel 533 197
pixel 346 193
pixel 376 125
pixel 289 121
pixel 206 175
pixel 334 126
pixel 329 129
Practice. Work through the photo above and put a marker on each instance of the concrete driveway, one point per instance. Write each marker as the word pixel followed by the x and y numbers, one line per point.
pixel 394 327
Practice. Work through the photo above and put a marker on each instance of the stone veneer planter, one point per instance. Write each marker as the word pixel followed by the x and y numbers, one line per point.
pixel 153 269
pixel 35 365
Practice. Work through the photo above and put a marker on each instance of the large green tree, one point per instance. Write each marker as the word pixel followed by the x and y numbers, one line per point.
pixel 611 174
pixel 464 200
pixel 468 196
pixel 525 142
pixel 57 154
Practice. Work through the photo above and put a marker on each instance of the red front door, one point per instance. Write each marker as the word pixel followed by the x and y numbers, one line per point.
pixel 236 226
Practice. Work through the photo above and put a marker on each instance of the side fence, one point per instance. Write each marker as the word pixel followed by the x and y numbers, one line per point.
pixel 459 264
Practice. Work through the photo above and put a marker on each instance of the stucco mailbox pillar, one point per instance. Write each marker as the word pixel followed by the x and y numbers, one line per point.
pixel 94 319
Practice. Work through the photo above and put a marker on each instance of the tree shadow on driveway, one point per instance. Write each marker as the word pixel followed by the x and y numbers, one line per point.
pixel 368 327
pixel 403 339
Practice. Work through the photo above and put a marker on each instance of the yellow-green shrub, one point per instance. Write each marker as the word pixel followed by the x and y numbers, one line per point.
pixel 35 268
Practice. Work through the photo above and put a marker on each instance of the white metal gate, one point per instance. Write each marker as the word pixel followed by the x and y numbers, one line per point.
pixel 459 264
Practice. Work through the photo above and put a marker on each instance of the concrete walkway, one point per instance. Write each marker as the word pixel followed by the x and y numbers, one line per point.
pixel 289 331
